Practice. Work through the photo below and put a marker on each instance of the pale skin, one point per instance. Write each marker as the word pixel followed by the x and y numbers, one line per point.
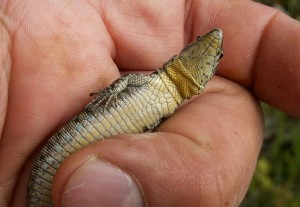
pixel 53 54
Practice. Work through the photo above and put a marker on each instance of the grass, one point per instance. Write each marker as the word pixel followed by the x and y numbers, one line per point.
pixel 290 7
pixel 276 182
pixel 277 178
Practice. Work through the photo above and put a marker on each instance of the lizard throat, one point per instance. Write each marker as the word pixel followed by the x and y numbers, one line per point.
pixel 185 83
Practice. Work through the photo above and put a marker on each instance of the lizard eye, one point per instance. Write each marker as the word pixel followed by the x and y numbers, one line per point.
pixel 199 37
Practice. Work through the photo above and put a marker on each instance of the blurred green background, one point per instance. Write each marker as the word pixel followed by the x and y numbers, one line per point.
pixel 276 182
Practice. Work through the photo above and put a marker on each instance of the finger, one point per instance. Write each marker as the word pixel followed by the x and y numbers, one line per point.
pixel 276 71
pixel 261 47
pixel 55 67
pixel 261 52
pixel 260 43
pixel 204 155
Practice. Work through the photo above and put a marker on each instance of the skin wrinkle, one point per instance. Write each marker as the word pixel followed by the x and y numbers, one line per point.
pixel 256 59
pixel 16 24
pixel 102 15
pixel 134 47
pixel 188 21
pixel 5 61
pixel 5 69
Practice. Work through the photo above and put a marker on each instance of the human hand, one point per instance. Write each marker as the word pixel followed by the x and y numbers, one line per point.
pixel 53 54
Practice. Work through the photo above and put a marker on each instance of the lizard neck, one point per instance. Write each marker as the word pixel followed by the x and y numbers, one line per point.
pixel 184 81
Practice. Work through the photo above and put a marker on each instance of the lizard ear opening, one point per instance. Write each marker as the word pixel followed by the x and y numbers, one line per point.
pixel 222 54
pixel 199 37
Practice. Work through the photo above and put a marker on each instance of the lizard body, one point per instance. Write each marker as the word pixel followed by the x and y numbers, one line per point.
pixel 134 103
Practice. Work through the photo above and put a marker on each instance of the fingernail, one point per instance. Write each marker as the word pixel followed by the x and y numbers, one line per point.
pixel 99 183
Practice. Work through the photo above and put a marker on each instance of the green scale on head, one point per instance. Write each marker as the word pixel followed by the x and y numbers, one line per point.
pixel 195 65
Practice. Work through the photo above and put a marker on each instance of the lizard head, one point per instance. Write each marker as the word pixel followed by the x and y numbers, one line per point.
pixel 201 57
pixel 196 64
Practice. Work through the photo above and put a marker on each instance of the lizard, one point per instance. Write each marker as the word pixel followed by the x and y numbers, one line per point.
pixel 134 103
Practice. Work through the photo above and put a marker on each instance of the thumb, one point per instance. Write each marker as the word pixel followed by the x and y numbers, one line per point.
pixel 203 155
pixel 97 182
